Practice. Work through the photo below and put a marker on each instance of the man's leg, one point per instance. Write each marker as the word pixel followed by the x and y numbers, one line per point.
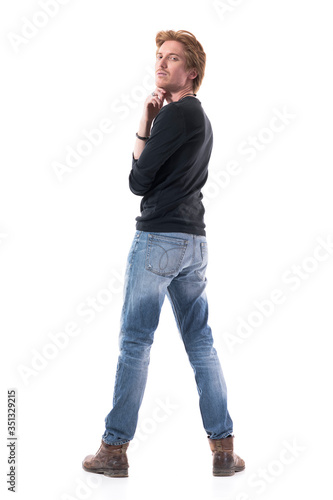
pixel 188 299
pixel 144 294
pixel 153 261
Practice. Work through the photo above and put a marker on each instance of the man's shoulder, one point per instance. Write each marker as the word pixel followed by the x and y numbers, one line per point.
pixel 193 112
pixel 171 109
pixel 184 109
pixel 184 115
pixel 170 114
pixel 188 103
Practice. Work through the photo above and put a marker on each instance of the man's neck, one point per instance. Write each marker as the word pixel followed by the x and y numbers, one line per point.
pixel 176 96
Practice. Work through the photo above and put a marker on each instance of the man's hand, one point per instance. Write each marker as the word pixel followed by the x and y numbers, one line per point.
pixel 153 104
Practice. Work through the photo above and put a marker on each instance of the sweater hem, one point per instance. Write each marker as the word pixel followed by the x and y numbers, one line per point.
pixel 170 228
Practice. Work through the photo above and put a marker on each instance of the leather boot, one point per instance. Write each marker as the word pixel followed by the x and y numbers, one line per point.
pixel 225 461
pixel 110 460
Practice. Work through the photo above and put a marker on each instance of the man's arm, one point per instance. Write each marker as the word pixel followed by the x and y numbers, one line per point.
pixel 167 135
pixel 151 108
pixel 143 131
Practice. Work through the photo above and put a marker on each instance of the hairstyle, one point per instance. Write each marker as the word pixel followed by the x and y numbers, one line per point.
pixel 194 52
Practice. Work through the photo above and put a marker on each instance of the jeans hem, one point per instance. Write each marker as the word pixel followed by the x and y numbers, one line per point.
pixel 223 436
pixel 116 443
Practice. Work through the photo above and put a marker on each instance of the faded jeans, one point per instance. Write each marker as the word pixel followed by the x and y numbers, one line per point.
pixel 171 264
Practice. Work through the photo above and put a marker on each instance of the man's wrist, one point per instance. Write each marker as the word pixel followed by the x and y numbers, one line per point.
pixel 144 128
pixel 142 138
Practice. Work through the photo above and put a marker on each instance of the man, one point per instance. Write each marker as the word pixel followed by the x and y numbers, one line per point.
pixel 168 257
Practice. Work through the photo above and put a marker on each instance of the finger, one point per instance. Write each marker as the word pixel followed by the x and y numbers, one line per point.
pixel 157 100
pixel 156 103
pixel 159 93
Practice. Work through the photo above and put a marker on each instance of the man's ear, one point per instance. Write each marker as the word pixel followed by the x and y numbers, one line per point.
pixel 193 74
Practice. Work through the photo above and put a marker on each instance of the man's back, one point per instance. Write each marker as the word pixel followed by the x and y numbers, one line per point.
pixel 168 257
pixel 173 168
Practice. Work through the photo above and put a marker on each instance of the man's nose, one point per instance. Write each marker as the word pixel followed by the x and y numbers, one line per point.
pixel 163 62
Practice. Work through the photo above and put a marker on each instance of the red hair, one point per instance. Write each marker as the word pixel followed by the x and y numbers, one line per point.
pixel 194 52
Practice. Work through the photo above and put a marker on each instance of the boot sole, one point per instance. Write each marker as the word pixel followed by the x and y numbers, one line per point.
pixel 108 473
pixel 229 472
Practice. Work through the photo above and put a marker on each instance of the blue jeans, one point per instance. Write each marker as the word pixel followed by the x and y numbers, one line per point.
pixel 171 264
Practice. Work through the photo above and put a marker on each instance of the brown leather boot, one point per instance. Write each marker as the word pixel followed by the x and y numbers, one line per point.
pixel 225 461
pixel 110 460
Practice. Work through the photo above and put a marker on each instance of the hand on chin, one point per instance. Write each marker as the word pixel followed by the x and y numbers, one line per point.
pixel 167 94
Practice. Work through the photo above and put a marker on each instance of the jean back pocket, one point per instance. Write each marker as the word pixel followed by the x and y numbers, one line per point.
pixel 165 254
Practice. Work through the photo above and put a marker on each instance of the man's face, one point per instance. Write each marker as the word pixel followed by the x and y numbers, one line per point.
pixel 170 72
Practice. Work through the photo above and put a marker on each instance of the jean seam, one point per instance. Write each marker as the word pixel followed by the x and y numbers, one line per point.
pixel 175 312
pixel 203 248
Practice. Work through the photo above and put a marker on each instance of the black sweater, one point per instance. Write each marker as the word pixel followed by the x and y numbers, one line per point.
pixel 173 168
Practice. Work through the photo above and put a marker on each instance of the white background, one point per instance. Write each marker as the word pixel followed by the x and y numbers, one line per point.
pixel 63 240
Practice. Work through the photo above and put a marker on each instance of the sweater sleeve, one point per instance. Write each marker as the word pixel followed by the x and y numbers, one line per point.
pixel 167 135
